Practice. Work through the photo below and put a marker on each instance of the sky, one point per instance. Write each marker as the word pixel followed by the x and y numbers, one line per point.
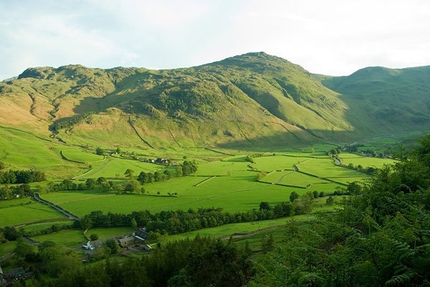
pixel 331 37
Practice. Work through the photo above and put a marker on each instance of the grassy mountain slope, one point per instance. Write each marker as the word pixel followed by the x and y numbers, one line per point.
pixel 248 101
pixel 394 99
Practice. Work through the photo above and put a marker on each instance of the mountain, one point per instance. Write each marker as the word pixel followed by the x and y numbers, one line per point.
pixel 250 100
pixel 394 99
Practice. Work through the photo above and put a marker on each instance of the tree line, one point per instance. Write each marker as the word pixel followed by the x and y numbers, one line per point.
pixel 21 176
pixel 179 221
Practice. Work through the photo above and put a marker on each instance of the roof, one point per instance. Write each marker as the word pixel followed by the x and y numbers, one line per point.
pixel 16 272
pixel 96 243
pixel 141 234
pixel 126 239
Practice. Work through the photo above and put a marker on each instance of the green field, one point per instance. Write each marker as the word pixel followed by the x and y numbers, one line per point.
pixel 45 225
pixel 26 213
pixel 364 161
pixel 238 230
pixel 229 184
pixel 68 238
pixel 105 233
pixel 112 167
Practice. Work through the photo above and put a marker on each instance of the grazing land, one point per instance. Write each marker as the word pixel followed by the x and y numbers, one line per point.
pixel 230 184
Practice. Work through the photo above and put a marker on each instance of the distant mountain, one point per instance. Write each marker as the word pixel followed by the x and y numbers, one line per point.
pixel 251 100
pixel 393 99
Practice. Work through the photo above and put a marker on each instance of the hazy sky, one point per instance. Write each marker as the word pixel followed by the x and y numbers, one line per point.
pixel 334 37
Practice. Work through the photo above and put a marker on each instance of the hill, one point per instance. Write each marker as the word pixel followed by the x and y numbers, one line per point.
pixel 252 101
pixel 393 99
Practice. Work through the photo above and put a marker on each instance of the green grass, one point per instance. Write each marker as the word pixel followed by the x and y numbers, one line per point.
pixel 80 155
pixel 365 161
pixel 286 161
pixel 21 214
pixel 233 187
pixel 45 225
pixel 23 150
pixel 238 229
pixel 105 233
pixel 14 202
pixel 114 168
pixel 68 238
pixel 6 248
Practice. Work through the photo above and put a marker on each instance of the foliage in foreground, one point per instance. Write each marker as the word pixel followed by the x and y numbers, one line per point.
pixel 379 238
pixel 197 262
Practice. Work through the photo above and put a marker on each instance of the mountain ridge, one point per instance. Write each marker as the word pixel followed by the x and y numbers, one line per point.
pixel 253 99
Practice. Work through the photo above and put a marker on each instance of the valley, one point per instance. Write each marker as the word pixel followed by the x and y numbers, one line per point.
pixel 239 150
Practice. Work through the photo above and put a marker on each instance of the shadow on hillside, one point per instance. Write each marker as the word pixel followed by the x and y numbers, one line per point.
pixel 287 140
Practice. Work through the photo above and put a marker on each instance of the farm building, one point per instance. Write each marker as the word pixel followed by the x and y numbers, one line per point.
pixel 127 241
pixel 141 234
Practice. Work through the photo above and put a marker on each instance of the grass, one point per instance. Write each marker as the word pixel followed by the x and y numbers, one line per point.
pixel 114 168
pixel 68 238
pixel 105 233
pixel 27 213
pixel 238 230
pixel 45 225
pixel 234 187
pixel 80 155
pixel 365 161
pixel 6 248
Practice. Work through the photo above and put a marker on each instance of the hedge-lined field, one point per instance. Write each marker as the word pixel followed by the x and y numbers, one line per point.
pixel 29 211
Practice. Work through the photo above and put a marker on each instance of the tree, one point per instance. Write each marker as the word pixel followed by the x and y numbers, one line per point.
pixel 86 222
pixel 143 177
pixel 354 188
pixel 2 165
pixel 179 171
pixel 315 194
pixel 329 200
pixel 168 174
pixel 157 176
pixel 267 243
pixel 293 196
pixel 90 183
pixel 131 186
pixel 10 233
pixel 94 237
pixel 100 151
pixel 133 223
pixel 264 205
pixel 112 246
pixel 129 173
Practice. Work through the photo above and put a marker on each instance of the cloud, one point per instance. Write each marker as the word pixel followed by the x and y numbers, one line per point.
pixel 331 37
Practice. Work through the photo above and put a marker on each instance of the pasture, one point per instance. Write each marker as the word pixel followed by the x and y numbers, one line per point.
pixel 28 212
pixel 106 233
pixel 68 238
pixel 230 184
pixel 112 167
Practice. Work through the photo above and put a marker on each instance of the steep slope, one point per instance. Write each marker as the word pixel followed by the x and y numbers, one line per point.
pixel 253 100
pixel 393 99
